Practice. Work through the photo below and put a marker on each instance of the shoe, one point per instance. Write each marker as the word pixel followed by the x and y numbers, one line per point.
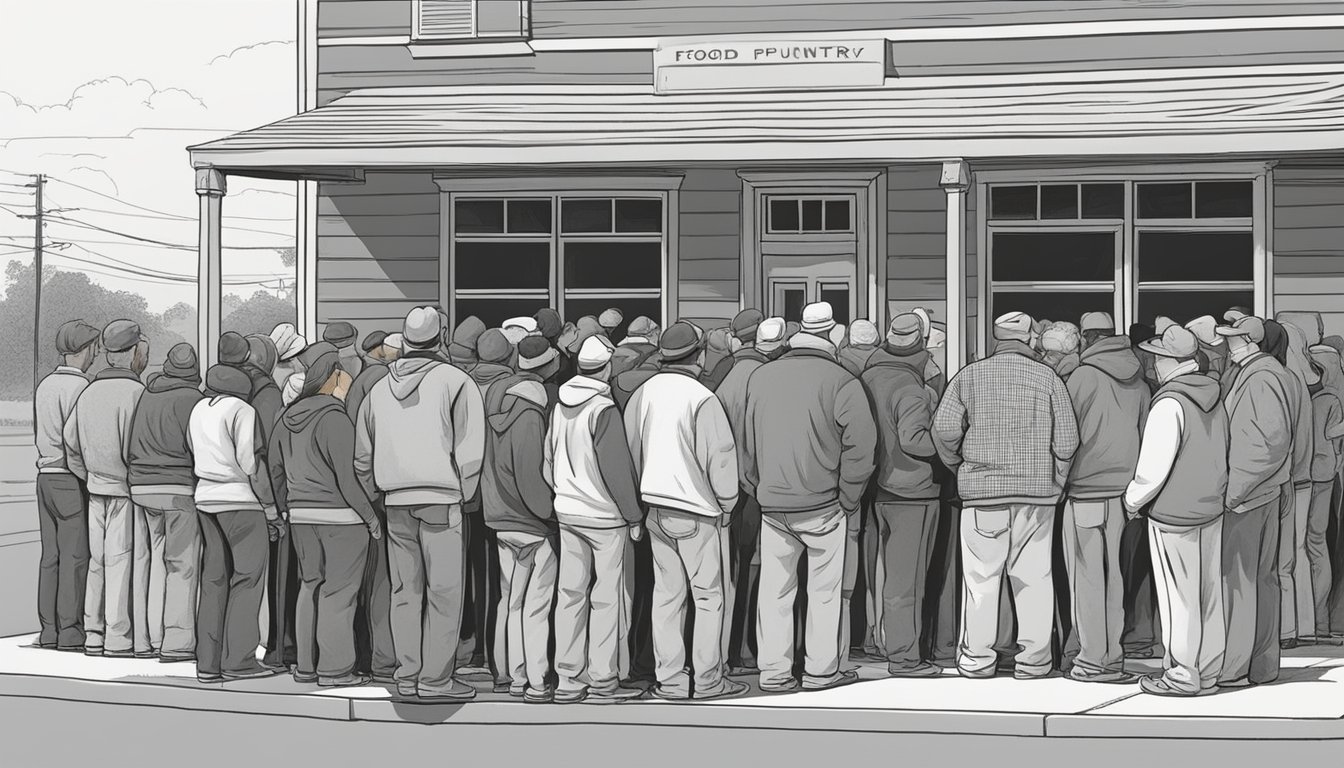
pixel 146 654
pixel 501 687
pixel 1241 682
pixel 743 671
pixel 657 692
pixel 543 696
pixel 1019 674
pixel 118 654
pixel 786 687
pixel 924 669
pixel 406 691
pixel 978 674
pixel 457 692
pixel 45 646
pixel 517 691
pixel 1288 643
pixel 622 693
pixel 75 649
pixel 255 673
pixel 345 681
pixel 731 690
pixel 1159 687
pixel 384 679
pixel 569 697
pixel 473 671
pixel 303 679
pixel 172 659
pixel 209 677
pixel 1114 678
pixel 847 677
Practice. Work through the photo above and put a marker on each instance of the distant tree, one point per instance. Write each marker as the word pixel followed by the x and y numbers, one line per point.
pixel 259 313
pixel 288 256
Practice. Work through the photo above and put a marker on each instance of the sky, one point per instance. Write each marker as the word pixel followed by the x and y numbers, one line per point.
pixel 104 96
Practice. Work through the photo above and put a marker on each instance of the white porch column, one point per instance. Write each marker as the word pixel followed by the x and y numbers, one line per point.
pixel 209 279
pixel 956 181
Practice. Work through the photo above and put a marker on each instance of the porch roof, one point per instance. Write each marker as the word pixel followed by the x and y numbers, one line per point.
pixel 1244 110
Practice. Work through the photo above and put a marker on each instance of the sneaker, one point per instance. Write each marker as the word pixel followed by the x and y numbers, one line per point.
pixel 847 677
pixel 518 691
pixel 406 691
pixel 501 687
pixel 384 679
pixel 1288 643
pixel 923 669
pixel 93 650
pixel 175 659
pixel 784 687
pixel 255 673
pixel 1113 678
pixel 118 654
pixel 622 693
pixel 977 674
pixel 474 670
pixel 79 649
pixel 659 693
pixel 1159 687
pixel 146 654
pixel 344 681
pixel 1241 682
pixel 543 696
pixel 304 679
pixel 457 692
pixel 1020 674
pixel 743 671
pixel 731 690
pixel 570 697
pixel 209 677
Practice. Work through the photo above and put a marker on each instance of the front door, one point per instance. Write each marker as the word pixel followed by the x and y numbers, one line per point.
pixel 809 253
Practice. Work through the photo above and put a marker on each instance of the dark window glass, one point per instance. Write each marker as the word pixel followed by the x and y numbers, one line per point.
pixel 492 312
pixel 1164 201
pixel 1059 201
pixel 837 216
pixel 503 265
pixel 783 215
pixel 1223 199
pixel 585 215
pixel 1018 202
pixel 479 217
pixel 613 265
pixel 838 297
pixel 530 217
pixel 1190 256
pixel 1054 256
pixel 812 217
pixel 1184 306
pixel 639 215
pixel 1103 201
pixel 630 309
pixel 794 301
pixel 1045 305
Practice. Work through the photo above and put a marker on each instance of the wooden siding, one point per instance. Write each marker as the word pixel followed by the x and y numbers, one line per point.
pixel 709 245
pixel 1309 242
pixel 620 18
pixel 916 241
pixel 377 249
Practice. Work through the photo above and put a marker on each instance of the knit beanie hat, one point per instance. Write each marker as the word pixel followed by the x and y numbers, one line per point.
pixel 261 352
pixel 224 379
pixel 493 347
pixel 549 323
pixel 463 346
pixel 317 374
pixel 182 363
pixel 233 348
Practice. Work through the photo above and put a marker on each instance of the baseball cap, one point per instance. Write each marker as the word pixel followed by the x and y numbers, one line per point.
pixel 1175 342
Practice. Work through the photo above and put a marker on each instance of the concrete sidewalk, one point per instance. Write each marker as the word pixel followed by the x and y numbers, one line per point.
pixel 1306 703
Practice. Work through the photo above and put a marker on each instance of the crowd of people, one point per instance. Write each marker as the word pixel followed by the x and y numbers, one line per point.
pixel 601 512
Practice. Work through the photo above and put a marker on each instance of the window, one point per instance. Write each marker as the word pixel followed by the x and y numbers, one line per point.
pixel 471 19
pixel 809 215
pixel 512 256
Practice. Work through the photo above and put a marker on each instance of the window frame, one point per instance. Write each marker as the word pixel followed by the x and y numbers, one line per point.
pixel 525 26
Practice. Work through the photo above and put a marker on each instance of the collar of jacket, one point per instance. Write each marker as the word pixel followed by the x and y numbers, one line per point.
pixel 423 354
pixel 116 373
pixel 166 383
pixel 1015 347
pixel 689 371
pixel 69 370
pixel 916 362
pixel 750 353
pixel 806 342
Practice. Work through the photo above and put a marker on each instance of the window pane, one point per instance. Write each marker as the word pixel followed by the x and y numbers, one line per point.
pixel 1187 256
pixel 795 298
pixel 812 216
pixel 1043 305
pixel 613 265
pixel 630 309
pixel 783 214
pixel 838 297
pixel 837 216
pixel 1223 199
pixel 479 217
pixel 585 215
pixel 639 215
pixel 1012 202
pixel 502 265
pixel 1054 256
pixel 492 312
pixel 1059 201
pixel 530 217
pixel 1164 201
pixel 499 18
pixel 1103 201
pixel 1184 306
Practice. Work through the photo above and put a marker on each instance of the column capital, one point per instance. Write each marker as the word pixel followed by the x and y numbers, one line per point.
pixel 210 181
pixel 956 176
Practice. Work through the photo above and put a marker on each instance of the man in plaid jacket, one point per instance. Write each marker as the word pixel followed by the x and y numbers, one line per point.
pixel 1007 428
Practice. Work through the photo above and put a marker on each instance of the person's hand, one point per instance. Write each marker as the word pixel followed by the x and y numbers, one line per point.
pixel 375 528
pixel 726 519
pixel 636 532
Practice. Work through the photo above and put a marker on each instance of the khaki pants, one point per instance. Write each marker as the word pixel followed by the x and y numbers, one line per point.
pixel 688 561
pixel 107 595
pixel 589 608
pixel 1013 541
pixel 786 538
pixel 904 536
pixel 527 573
pixel 1251 594
pixel 174 533
pixel 1318 554
pixel 1188 568
pixel 426 556
pixel 1297 607
pixel 1092 530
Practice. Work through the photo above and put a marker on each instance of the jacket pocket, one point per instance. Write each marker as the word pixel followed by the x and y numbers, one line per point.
pixel 1088 514
pixel 992 521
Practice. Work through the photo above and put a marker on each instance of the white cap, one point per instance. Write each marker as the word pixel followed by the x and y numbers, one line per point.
pixel 770 334
pixel 1014 325
pixel 863 333
pixel 594 353
pixel 925 324
pixel 818 318
pixel 526 324
pixel 394 341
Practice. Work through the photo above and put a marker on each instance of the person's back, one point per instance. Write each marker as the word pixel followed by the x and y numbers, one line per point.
pixel 1197 483
pixel 582 497
pixel 53 402
pixel 1110 400
pixel 903 408
pixel 225 439
pixel 1259 405
pixel 158 451
pixel 514 495
pixel 102 422
pixel 855 358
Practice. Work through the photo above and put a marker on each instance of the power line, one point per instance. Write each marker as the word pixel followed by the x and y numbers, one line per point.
pixel 166 277
pixel 188 221
pixel 192 277
pixel 162 243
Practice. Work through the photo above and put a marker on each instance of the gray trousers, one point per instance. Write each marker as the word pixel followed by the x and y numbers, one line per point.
pixel 527 572
pixel 1092 530
pixel 107 593
pixel 1251 595
pixel 1318 554
pixel 174 532
pixel 233 574
pixel 786 539
pixel 376 599
pixel 589 608
pixel 1296 605
pixel 64 566
pixel 1187 565
pixel 688 562
pixel 427 558
pixel 905 533
pixel 331 572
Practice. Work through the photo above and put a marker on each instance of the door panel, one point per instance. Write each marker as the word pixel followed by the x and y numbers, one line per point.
pixel 787 299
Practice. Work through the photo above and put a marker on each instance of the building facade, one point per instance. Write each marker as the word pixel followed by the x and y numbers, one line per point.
pixel 686 160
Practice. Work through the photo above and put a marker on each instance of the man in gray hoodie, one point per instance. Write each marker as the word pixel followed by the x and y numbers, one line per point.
pixel 1110 400
pixel 420 440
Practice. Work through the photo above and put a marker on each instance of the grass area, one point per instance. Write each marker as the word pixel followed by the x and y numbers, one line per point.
pixel 16 413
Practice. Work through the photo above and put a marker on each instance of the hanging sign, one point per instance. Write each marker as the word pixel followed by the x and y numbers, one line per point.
pixel 769 65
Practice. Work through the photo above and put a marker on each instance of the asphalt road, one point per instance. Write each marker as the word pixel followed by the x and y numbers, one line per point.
pixel 19 548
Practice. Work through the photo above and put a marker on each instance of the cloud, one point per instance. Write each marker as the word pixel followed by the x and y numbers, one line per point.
pixel 287 45
pixel 79 172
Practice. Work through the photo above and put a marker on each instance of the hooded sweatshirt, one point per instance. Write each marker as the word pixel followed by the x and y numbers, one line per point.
pixel 225 440
pixel 159 454
pixel 1299 365
pixel 53 403
pixel 1182 468
pixel 1261 431
pixel 420 434
pixel 732 392
pixel 1110 400
pixel 99 429
pixel 587 459
pixel 312 454
pixel 514 494
pixel 903 407
pixel 373 373
pixel 1328 427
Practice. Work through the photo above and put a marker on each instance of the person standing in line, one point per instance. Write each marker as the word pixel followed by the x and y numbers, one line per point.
pixel 1258 403
pixel 641 341
pixel 809 452
pixel 1328 426
pixel 684 453
pixel 906 501
pixel 160 464
pixel 1298 605
pixel 420 440
pixel 95 443
pixel 863 344
pixel 238 515
pixel 551 326
pixel 62 502
pixel 330 519
pixel 380 351
pixel 587 463
pixel 1007 428
pixel 935 341
pixel 1110 402
pixel 610 321
pixel 1211 345
pixel 342 336
pixel 462 348
pixel 288 346
pixel 1181 479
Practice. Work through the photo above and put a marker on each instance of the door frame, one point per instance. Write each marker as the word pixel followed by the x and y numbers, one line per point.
pixel 868 187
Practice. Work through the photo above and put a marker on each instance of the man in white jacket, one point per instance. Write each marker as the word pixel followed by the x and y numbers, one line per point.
pixel 684 452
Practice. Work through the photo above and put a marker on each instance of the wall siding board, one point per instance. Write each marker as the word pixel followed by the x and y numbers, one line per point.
pixel 709 245
pixel 916 238
pixel 1309 242
pixel 362 225
pixel 363 18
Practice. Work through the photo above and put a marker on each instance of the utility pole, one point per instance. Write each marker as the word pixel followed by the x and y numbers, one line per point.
pixel 38 181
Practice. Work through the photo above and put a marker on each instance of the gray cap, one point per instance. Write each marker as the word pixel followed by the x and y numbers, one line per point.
pixel 74 336
pixel 121 335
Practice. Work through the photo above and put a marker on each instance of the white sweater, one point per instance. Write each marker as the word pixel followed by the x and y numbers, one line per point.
pixel 682 445
pixel 224 439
